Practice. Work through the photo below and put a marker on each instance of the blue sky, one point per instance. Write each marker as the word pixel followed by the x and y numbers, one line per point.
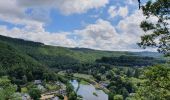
pixel 96 24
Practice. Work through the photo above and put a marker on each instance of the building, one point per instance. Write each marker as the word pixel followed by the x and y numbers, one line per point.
pixel 37 82
pixel 26 96
pixel 62 92
pixel 103 84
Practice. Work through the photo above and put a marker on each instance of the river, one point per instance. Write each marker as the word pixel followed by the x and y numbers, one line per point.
pixel 88 91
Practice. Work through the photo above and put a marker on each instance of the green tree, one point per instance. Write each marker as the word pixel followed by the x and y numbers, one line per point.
pixel 111 96
pixel 35 93
pixel 159 36
pixel 70 92
pixel 129 73
pixel 156 85
pixel 137 73
pixel 72 96
pixel 30 76
pixel 118 97
pixel 24 79
pixel 7 90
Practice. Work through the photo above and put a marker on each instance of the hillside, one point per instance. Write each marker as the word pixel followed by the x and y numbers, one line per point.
pixel 53 56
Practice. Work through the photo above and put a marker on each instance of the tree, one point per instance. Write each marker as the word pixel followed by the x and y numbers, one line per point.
pixel 30 76
pixel 35 93
pixel 156 85
pixel 129 73
pixel 159 35
pixel 7 90
pixel 118 97
pixel 137 73
pixel 70 92
pixel 24 79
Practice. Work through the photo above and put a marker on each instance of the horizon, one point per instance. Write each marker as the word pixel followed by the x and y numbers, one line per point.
pixel 142 50
pixel 109 25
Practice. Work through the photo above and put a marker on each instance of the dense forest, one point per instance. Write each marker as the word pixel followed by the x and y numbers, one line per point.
pixel 130 61
pixel 29 54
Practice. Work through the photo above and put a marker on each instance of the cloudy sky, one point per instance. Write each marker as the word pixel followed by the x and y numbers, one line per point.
pixel 96 24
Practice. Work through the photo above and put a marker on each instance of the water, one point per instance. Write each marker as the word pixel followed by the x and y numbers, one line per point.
pixel 86 91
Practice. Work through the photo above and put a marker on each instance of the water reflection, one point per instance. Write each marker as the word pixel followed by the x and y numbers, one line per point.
pixel 88 91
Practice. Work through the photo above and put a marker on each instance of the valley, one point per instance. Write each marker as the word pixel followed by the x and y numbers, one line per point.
pixel 49 72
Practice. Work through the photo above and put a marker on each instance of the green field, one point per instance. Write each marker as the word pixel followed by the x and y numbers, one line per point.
pixel 84 76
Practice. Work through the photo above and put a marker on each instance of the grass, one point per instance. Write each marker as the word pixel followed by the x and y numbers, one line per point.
pixel 84 76
pixel 52 87
pixel 61 73
pixel 84 82
pixel 24 90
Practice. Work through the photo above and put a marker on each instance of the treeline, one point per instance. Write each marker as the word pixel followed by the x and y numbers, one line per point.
pixel 130 61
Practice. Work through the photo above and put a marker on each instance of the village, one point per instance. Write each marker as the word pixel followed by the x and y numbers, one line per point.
pixel 55 90
pixel 49 91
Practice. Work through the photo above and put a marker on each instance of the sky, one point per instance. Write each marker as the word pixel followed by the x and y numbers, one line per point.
pixel 97 24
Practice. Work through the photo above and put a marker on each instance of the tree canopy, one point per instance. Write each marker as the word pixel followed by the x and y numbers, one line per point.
pixel 156 85
pixel 157 33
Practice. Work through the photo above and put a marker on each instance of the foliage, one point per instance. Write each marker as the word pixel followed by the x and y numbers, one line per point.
pixel 118 97
pixel 24 90
pixel 84 82
pixel 70 92
pixel 52 86
pixel 121 86
pixel 95 94
pixel 35 93
pixel 54 57
pixel 159 34
pixel 130 61
pixel 20 67
pixel 157 84
pixel 8 90
pixel 84 76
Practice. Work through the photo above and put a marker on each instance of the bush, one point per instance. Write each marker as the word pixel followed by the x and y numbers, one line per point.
pixel 118 97
pixel 35 93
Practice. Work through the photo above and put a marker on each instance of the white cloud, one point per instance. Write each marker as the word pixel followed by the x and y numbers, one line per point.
pixel 131 24
pixel 103 35
pixel 58 39
pixel 112 11
pixel 15 11
pixel 66 6
pixel 132 2
pixel 100 35
pixel 96 35
pixel 121 11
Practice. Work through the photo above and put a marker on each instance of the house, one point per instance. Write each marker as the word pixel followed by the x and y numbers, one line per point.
pixel 55 98
pixel 61 85
pixel 37 82
pixel 41 88
pixel 62 92
pixel 26 96
pixel 57 83
pixel 103 84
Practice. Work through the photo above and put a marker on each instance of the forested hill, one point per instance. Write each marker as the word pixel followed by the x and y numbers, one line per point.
pixel 53 56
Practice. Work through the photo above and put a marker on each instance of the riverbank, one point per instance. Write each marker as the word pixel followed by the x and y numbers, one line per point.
pixel 86 80
pixel 88 91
